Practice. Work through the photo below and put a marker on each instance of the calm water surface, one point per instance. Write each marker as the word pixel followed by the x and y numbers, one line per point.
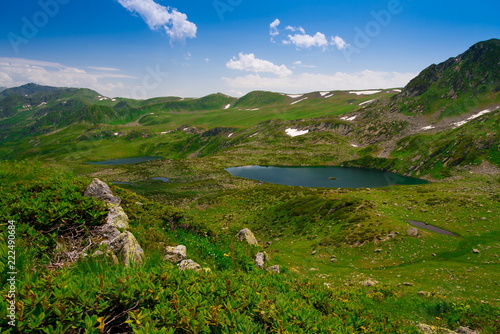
pixel 329 177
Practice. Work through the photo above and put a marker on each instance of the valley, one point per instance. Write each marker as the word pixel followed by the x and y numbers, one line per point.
pixel 349 258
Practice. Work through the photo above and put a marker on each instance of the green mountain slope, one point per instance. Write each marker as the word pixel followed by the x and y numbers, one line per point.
pixel 456 85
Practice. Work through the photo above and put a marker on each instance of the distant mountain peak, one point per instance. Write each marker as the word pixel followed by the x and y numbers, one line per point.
pixel 471 71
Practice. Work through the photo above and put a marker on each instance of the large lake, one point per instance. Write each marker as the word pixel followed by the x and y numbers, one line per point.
pixel 329 177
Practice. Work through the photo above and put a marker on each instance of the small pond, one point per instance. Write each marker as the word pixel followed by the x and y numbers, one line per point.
pixel 431 228
pixel 329 177
pixel 124 161
pixel 164 179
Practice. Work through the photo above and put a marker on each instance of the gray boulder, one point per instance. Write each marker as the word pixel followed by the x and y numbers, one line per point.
pixel 128 249
pixel 248 236
pixel 275 269
pixel 259 260
pixel 413 232
pixel 175 254
pixel 189 265
pixel 369 282
pixel 464 330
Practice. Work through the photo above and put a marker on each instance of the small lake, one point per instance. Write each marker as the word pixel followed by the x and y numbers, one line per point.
pixel 125 161
pixel 431 228
pixel 329 177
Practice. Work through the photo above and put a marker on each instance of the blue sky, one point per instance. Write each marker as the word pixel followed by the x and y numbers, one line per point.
pixel 147 48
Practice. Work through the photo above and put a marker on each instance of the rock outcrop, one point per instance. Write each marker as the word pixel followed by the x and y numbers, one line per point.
pixel 427 329
pixel 175 254
pixel 121 244
pixel 248 236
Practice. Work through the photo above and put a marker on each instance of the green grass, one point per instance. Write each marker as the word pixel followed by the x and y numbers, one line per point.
pixel 236 297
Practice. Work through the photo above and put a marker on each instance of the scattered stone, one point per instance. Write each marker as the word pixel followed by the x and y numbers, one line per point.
pixel 378 250
pixel 408 284
pixel 476 251
pixel 333 256
pixel 434 254
pixel 424 293
pixel 175 254
pixel 413 232
pixel 465 330
pixel 246 234
pixel 189 265
pixel 369 282
pixel 314 252
pixel 259 260
pixel 426 329
pixel 333 260
pixel 275 269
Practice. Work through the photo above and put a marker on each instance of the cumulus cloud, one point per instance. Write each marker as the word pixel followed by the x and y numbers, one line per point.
pixel 273 28
pixel 307 41
pixel 339 43
pixel 156 16
pixel 249 63
pixel 308 82
pixel 302 40
pixel 19 71
pixel 294 29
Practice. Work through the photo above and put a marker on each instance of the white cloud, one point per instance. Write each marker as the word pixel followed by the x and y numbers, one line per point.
pixel 339 43
pixel 248 62
pixel 293 29
pixel 309 82
pixel 103 68
pixel 19 71
pixel 307 41
pixel 299 63
pixel 157 16
pixel 273 28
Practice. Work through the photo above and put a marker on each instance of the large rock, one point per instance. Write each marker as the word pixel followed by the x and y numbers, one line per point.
pixel 101 191
pixel 413 232
pixel 189 265
pixel 128 249
pixel 175 254
pixel 259 260
pixel 246 234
